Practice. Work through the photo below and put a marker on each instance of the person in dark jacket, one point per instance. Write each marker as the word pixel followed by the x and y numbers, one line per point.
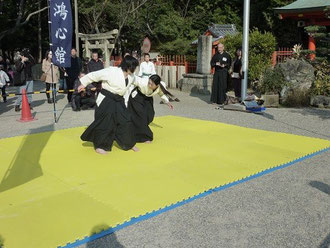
pixel 236 72
pixel 73 72
pixel 95 64
pixel 221 61
pixel 3 63
pixel 24 77
pixel 85 99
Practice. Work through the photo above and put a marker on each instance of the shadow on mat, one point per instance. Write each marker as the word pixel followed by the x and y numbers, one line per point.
pixel 25 165
pixel 152 124
pixel 107 241
pixel 88 144
pixel 2 242
pixel 325 188
pixel 326 242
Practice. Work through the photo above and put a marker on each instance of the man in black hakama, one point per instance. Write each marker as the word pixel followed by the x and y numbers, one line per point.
pixel 221 61
pixel 112 119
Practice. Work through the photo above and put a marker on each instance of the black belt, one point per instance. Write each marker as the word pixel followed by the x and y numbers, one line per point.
pixel 116 97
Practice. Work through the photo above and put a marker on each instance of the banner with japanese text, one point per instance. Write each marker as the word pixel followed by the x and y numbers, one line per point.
pixel 61 32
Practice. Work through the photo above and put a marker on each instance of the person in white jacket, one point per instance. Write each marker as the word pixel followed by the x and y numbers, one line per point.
pixel 4 80
pixel 147 68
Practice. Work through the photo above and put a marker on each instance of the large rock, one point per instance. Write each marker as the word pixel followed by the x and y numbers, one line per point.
pixel 299 74
pixel 320 101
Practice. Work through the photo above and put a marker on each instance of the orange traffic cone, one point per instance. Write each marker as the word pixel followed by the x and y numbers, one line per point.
pixel 26 111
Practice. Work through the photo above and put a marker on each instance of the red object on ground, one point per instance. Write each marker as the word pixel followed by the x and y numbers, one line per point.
pixel 26 115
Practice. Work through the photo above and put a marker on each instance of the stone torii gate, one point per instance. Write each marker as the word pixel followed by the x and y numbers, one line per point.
pixel 103 41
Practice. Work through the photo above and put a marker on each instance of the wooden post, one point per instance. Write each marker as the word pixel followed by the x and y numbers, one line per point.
pixel 76 26
pixel 274 58
pixel 106 53
pixel 186 66
pixel 87 49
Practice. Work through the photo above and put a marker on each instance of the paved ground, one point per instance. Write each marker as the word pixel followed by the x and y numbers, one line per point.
pixel 287 208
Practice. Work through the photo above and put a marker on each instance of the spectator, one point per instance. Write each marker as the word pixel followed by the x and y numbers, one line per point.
pixel 236 75
pixel 10 73
pixel 95 64
pixel 4 80
pixel 73 72
pixel 52 73
pixel 147 68
pixel 62 80
pixel 85 99
pixel 3 63
pixel 24 76
pixel 221 61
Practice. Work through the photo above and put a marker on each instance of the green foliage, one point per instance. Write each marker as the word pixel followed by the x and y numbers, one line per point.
pixel 261 48
pixel 322 37
pixel 171 25
pixel 321 86
pixel 272 81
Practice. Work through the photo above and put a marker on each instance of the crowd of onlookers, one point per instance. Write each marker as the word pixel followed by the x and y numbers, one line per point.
pixel 19 73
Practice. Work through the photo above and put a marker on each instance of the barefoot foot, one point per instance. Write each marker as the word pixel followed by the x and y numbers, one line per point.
pixel 135 149
pixel 101 151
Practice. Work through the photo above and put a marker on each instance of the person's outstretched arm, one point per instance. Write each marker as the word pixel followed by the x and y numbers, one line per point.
pixel 96 76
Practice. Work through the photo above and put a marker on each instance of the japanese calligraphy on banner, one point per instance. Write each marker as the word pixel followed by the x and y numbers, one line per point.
pixel 61 32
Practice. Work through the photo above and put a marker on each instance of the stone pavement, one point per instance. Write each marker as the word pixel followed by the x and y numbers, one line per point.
pixel 287 208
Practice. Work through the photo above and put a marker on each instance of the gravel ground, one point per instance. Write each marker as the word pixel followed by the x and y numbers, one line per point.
pixel 287 208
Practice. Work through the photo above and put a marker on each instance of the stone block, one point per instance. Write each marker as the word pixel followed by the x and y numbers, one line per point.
pixel 271 100
pixel 172 77
pixel 196 83
pixel 165 74
pixel 181 71
pixel 204 54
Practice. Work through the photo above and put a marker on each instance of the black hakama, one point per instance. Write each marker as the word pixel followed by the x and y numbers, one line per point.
pixel 219 86
pixel 142 111
pixel 112 123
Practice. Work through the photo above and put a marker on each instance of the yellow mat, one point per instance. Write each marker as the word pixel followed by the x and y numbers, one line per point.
pixel 55 189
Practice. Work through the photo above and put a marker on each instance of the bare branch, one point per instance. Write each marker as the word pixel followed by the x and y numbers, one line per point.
pixel 19 22
pixel 186 8
pixel 137 7
pixel 32 14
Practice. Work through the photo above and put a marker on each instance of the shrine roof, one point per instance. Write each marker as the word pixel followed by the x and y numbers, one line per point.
pixel 304 6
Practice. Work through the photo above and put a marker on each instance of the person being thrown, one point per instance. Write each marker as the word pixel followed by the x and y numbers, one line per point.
pixel 112 119
pixel 141 105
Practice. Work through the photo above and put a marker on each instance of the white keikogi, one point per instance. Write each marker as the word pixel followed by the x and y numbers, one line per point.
pixel 147 69
pixel 4 79
pixel 113 80
pixel 142 84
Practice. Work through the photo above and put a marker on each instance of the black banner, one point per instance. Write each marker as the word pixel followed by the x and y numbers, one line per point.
pixel 61 32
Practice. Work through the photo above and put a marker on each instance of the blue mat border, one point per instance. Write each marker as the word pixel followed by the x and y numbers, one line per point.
pixel 181 203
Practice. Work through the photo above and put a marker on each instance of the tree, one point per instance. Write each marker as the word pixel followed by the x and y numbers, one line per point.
pixel 24 9
pixel 261 48
pixel 322 36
